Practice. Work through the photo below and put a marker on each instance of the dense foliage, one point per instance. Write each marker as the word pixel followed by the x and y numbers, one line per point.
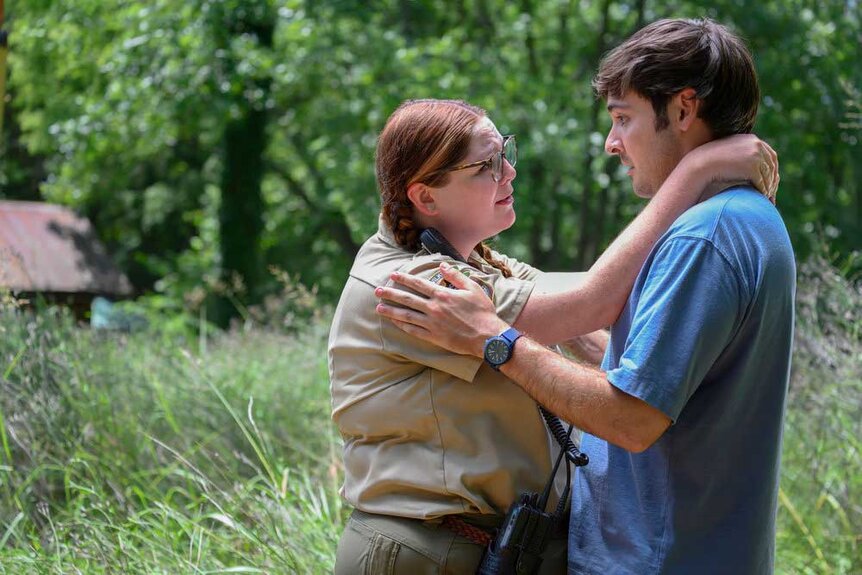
pixel 155 453
pixel 210 139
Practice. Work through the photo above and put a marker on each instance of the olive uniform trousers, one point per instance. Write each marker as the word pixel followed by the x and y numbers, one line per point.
pixel 387 545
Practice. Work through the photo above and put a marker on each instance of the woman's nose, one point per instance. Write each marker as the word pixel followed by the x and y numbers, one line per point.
pixel 509 171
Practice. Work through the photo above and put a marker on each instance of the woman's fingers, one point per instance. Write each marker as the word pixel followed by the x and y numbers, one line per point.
pixel 773 176
pixel 767 168
pixel 764 184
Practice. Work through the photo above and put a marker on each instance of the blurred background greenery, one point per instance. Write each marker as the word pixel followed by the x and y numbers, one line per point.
pixel 208 140
pixel 224 152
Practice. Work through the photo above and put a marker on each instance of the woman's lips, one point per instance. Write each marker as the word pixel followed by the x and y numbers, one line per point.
pixel 508 200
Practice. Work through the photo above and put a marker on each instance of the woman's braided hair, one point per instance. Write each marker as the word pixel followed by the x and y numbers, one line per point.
pixel 421 140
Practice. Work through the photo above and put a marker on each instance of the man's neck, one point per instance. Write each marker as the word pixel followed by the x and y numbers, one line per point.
pixel 697 135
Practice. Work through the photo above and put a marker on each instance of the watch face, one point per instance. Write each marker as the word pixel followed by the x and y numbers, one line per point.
pixel 497 351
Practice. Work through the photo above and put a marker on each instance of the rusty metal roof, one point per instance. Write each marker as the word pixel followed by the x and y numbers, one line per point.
pixel 48 248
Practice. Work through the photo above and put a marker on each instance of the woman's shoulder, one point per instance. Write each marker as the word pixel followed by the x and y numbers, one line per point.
pixel 377 259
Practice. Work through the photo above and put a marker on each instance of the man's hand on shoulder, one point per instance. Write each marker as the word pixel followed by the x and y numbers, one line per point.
pixel 459 320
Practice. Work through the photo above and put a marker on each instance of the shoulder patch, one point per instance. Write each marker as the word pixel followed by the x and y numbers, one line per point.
pixel 437 278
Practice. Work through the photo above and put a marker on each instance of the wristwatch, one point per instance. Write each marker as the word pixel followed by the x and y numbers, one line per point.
pixel 498 349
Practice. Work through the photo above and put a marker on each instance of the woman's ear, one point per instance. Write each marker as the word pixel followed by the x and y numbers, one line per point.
pixel 422 198
pixel 685 106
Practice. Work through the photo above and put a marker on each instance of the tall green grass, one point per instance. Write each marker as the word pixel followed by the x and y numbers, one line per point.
pixel 820 514
pixel 129 454
pixel 143 453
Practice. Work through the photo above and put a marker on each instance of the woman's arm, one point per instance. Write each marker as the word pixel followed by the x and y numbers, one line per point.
pixel 589 349
pixel 597 302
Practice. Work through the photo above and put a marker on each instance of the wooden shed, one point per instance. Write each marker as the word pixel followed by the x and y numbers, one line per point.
pixel 49 251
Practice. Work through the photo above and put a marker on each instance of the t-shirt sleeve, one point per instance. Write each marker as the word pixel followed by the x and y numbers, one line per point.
pixel 508 294
pixel 690 307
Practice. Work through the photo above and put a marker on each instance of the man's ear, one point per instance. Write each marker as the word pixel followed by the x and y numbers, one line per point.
pixel 684 108
pixel 422 199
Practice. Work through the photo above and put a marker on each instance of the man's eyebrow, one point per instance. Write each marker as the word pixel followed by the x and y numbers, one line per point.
pixel 614 105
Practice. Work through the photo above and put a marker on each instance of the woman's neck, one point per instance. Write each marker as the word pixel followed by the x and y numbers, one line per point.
pixel 464 246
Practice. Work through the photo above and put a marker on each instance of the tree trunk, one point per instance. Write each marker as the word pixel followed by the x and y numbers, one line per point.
pixel 241 212
pixel 530 40
pixel 586 246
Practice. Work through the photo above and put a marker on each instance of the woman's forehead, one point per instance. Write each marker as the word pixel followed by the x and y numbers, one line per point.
pixel 485 127
pixel 486 136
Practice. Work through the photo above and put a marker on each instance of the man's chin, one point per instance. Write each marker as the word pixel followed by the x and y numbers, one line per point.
pixel 645 192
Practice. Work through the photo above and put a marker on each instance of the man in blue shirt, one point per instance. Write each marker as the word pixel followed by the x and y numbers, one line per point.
pixel 683 427
pixel 705 338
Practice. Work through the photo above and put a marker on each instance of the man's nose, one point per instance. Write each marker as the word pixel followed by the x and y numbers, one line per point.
pixel 613 145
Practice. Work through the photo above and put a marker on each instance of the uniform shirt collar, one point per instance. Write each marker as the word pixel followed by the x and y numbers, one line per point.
pixel 385 233
pixel 389 238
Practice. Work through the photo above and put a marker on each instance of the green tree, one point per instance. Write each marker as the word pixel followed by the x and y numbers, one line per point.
pixel 210 137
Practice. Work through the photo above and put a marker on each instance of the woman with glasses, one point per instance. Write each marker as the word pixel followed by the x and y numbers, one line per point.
pixel 437 446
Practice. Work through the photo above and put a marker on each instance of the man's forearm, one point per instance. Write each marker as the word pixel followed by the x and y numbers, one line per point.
pixel 583 396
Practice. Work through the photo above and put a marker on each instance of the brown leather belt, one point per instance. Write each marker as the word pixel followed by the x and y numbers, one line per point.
pixel 469 532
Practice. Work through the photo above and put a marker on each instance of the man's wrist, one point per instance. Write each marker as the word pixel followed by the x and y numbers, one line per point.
pixel 500 348
pixel 484 334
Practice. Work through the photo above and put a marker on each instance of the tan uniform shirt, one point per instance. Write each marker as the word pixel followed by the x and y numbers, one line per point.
pixel 428 432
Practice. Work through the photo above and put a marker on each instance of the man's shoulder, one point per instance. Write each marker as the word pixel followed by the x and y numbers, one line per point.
pixel 732 200
pixel 744 227
pixel 732 215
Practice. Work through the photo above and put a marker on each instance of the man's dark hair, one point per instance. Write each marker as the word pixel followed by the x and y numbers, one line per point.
pixel 670 55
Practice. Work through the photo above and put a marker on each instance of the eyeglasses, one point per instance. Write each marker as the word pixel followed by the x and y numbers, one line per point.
pixel 495 162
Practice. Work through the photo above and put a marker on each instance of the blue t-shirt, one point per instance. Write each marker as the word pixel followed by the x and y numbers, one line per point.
pixel 706 338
